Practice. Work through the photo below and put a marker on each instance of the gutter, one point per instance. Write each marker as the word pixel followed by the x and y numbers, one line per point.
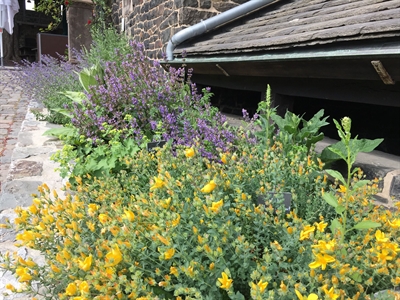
pixel 212 23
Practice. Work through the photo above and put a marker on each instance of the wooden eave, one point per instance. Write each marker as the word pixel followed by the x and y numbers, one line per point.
pixel 351 62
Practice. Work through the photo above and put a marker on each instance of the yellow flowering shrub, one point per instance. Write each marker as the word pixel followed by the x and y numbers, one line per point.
pixel 184 227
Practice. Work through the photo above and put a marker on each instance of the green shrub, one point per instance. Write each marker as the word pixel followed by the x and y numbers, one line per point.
pixel 184 227
pixel 173 229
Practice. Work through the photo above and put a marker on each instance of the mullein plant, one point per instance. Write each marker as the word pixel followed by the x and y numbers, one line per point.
pixel 359 255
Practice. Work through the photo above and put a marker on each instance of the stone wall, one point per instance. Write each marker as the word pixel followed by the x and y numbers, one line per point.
pixel 154 22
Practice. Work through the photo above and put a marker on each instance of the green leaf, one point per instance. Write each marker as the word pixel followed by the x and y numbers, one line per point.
pixel 366 225
pixel 67 131
pixel 336 225
pixel 63 111
pixel 339 209
pixel 360 183
pixel 334 152
pixel 87 79
pixel 238 296
pixel 364 145
pixel 356 277
pixel 330 199
pixel 77 97
pixel 341 133
pixel 278 121
pixel 336 175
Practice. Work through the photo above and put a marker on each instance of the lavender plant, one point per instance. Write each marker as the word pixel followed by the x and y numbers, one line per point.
pixel 45 79
pixel 157 105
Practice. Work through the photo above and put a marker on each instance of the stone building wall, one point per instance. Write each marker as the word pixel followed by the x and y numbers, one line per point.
pixel 154 22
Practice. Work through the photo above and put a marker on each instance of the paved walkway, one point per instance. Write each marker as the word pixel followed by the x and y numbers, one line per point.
pixel 25 163
pixel 13 108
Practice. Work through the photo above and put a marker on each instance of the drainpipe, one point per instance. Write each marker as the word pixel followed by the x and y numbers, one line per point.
pixel 213 22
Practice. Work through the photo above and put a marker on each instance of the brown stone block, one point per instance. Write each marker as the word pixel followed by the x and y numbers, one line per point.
pixel 25 168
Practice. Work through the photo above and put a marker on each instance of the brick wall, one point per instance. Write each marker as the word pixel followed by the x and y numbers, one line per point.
pixel 154 22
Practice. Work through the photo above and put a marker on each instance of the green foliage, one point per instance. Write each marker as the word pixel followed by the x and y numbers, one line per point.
pixel 107 46
pixel 347 149
pixel 294 130
pixel 265 112
pixel 176 232
pixel 80 156
pixel 300 131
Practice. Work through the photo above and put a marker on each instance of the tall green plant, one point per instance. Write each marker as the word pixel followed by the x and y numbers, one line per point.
pixel 294 130
pixel 347 149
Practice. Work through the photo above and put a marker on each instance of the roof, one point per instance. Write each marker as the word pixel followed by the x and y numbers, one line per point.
pixel 300 24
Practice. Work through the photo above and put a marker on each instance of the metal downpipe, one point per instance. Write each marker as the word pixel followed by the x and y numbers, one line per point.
pixel 211 23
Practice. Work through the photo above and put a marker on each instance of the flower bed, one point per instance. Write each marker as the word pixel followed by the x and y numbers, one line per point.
pixel 185 221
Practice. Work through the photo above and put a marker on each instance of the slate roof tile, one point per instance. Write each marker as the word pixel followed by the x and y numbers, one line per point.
pixel 301 23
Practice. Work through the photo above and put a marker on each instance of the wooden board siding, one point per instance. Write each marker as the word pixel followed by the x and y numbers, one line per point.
pixel 301 23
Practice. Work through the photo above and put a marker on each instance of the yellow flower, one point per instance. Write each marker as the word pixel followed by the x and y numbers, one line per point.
pixel 277 245
pixel 71 289
pixel 305 233
pixel 209 187
pixel 23 274
pixel 330 293
pixel 10 287
pixel 321 261
pixel 162 239
pixel 158 183
pixel 223 159
pixel 84 287
pixel 225 281
pixel 262 285
pixel 200 239
pixel 312 296
pixel 321 226
pixel 384 256
pixel 342 189
pixel 114 257
pixel 325 246
pixel 92 208
pixel 391 246
pixel 189 152
pixel 380 237
pixel 176 221
pixel 215 206
pixel 283 287
pixel 26 236
pixel 85 264
pixel 129 215
pixel 90 225
pixel 173 271
pixel 212 266
pixel 169 253
pixel 33 209
pixel 395 223
pixel 55 269
pixel 103 218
